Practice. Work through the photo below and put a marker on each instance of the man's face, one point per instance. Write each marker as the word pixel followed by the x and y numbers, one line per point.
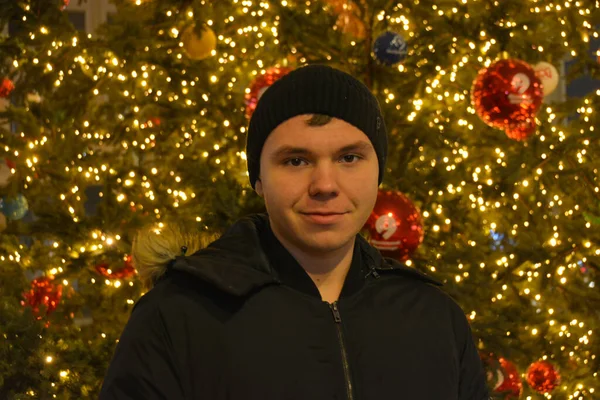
pixel 319 183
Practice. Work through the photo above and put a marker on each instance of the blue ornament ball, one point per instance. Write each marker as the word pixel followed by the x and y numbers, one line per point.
pixel 14 208
pixel 390 48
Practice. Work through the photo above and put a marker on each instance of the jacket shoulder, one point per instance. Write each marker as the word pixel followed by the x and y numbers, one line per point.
pixel 179 293
pixel 429 289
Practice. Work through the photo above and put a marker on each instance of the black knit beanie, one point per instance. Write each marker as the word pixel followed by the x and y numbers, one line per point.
pixel 315 89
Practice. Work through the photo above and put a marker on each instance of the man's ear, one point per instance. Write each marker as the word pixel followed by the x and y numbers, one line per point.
pixel 258 187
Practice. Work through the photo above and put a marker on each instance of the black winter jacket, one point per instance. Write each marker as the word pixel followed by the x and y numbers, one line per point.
pixel 242 320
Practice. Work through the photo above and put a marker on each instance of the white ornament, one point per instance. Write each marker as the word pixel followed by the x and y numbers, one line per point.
pixel 548 75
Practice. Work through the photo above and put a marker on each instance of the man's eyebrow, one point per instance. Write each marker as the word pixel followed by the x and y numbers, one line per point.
pixel 288 151
pixel 361 145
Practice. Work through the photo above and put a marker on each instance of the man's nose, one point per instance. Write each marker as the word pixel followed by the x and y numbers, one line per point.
pixel 324 180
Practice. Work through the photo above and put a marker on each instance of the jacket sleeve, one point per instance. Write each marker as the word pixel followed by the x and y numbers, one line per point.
pixel 144 365
pixel 473 383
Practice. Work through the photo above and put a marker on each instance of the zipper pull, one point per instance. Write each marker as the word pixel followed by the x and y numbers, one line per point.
pixel 373 271
pixel 336 312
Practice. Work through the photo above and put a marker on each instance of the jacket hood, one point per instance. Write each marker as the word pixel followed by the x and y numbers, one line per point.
pixel 236 263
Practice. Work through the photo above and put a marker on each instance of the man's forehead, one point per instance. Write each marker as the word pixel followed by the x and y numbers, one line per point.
pixel 296 136
pixel 291 149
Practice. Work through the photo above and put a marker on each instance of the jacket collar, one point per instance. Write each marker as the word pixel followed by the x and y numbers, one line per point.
pixel 237 264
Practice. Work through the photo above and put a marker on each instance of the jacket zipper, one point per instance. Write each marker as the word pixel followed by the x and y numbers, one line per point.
pixel 338 323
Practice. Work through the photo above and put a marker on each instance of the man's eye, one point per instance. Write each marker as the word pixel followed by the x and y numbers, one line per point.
pixel 294 162
pixel 351 158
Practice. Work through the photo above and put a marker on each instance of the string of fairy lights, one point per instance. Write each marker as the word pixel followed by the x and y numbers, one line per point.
pixel 140 84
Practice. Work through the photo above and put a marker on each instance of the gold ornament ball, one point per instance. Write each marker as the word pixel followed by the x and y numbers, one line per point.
pixel 199 48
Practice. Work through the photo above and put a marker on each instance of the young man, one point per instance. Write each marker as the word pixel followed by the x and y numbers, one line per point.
pixel 295 304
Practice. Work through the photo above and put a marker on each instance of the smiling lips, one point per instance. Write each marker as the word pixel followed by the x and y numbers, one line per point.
pixel 323 218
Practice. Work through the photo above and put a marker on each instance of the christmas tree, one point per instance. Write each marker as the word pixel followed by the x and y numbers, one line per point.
pixel 144 121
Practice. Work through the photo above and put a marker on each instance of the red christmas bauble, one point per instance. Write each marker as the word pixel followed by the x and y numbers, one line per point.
pixel 6 87
pixel 511 387
pixel 395 225
pixel 43 294
pixel 507 92
pixel 522 130
pixel 124 272
pixel 260 84
pixel 542 377
pixel 65 4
